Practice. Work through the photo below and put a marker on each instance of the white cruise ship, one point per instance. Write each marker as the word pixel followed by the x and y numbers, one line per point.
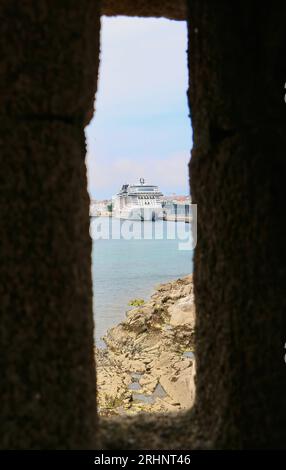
pixel 138 202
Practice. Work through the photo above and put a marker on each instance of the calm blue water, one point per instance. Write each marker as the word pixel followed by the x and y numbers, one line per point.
pixel 126 269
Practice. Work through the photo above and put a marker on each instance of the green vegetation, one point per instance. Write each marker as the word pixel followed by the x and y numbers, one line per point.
pixel 136 302
pixel 112 402
pixel 109 207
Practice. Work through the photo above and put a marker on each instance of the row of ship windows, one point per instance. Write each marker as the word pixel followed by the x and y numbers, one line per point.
pixel 144 202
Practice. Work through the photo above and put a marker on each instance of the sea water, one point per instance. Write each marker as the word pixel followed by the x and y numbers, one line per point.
pixel 126 266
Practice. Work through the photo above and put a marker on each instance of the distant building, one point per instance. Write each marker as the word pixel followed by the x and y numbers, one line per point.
pixel 177 206
pixel 98 208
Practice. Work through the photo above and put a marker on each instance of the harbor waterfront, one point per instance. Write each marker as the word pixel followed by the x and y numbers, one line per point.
pixel 125 269
pixel 144 202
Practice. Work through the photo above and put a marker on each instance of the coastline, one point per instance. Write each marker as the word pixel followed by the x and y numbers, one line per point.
pixel 148 364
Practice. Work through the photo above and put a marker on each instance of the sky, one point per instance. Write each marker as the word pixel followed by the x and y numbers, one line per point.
pixel 141 127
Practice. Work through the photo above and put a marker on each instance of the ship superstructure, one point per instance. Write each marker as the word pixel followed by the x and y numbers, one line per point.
pixel 138 202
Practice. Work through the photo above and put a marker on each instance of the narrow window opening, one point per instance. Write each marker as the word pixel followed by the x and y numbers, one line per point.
pixel 138 149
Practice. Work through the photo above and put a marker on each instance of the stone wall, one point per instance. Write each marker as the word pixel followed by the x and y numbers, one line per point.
pixel 49 51
pixel 238 173
pixel 49 62
pixel 172 9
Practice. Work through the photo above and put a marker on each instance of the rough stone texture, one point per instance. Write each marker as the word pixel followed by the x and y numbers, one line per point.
pixel 49 54
pixel 148 365
pixel 154 431
pixel 238 173
pixel 48 381
pixel 52 58
pixel 172 9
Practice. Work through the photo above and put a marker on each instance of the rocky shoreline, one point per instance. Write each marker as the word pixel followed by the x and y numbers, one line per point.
pixel 148 364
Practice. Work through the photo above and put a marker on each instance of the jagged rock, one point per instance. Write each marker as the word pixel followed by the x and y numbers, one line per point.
pixel 183 312
pixel 147 349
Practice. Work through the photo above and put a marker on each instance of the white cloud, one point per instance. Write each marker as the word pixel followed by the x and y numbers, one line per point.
pixel 141 126
pixel 171 173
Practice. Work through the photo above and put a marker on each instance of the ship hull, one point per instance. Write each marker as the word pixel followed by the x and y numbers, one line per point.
pixel 140 214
